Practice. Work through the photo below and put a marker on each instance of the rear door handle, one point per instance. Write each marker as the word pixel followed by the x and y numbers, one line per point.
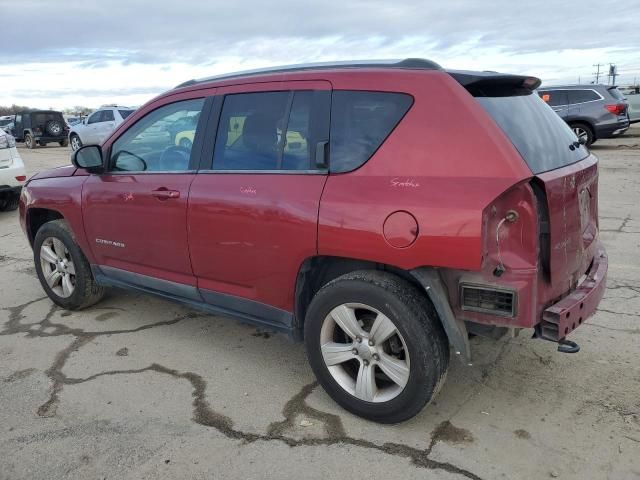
pixel 163 193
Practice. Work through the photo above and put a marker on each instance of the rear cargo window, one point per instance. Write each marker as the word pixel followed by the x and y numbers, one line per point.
pixel 543 139
pixel 615 93
pixel 360 122
pixel 125 113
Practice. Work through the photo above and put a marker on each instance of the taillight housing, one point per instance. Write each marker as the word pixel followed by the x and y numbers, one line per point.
pixel 617 109
pixel 510 231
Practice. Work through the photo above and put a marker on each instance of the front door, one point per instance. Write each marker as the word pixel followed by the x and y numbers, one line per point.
pixel 253 209
pixel 135 214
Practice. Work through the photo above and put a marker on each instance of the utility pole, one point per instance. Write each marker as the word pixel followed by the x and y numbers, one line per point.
pixel 597 72
pixel 613 73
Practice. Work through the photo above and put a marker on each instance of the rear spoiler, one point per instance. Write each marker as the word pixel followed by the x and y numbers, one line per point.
pixel 479 80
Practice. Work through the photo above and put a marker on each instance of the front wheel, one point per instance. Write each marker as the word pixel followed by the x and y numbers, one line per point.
pixel 76 143
pixel 62 268
pixel 376 345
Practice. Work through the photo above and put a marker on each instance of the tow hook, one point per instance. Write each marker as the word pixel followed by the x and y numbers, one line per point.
pixel 567 346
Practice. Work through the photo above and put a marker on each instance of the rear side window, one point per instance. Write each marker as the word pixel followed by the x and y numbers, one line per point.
pixel 555 98
pixel 360 122
pixel 125 113
pixel 543 139
pixel 271 131
pixel 582 96
pixel 107 116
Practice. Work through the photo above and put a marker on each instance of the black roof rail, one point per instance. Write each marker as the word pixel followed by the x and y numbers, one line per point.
pixel 407 63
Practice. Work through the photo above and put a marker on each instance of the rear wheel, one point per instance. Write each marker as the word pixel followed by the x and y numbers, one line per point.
pixel 62 268
pixel 9 202
pixel 29 141
pixel 583 132
pixel 376 345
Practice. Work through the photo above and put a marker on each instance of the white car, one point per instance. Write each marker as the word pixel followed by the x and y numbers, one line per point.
pixel 97 126
pixel 12 173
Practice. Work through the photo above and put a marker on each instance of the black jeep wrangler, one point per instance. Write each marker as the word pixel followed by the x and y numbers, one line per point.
pixel 40 126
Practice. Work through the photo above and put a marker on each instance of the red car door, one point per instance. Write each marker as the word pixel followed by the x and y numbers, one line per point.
pixel 135 214
pixel 253 208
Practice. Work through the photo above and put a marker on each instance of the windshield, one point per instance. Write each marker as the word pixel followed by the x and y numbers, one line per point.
pixel 543 139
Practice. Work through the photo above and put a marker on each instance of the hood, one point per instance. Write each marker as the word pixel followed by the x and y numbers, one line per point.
pixel 64 171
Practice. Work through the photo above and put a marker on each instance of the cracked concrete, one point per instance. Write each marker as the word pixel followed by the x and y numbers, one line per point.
pixel 136 387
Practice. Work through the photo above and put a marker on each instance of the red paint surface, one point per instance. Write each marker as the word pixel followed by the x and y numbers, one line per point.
pixel 447 164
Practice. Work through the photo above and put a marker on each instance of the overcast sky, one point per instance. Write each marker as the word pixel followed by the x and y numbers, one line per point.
pixel 90 52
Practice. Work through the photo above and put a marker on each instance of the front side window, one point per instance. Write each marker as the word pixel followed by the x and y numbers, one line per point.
pixel 95 117
pixel 555 98
pixel 152 144
pixel 269 131
pixel 360 122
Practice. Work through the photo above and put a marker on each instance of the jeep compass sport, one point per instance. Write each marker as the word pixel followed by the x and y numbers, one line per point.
pixel 381 212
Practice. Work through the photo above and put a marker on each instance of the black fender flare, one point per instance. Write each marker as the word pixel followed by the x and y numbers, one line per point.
pixel 455 329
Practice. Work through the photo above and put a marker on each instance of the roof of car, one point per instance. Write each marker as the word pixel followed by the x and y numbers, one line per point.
pixel 407 63
pixel 465 77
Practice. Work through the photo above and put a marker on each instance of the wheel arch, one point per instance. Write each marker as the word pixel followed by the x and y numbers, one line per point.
pixel 317 271
pixel 584 121
pixel 36 217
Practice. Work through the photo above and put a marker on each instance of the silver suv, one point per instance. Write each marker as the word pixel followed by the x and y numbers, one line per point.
pixel 592 111
pixel 97 126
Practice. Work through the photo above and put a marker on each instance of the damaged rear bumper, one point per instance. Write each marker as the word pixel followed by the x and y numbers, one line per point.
pixel 563 317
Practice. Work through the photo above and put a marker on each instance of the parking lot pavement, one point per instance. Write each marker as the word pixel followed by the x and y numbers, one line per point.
pixel 136 387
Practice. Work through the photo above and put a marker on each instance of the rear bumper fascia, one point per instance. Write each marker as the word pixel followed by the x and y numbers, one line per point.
pixel 563 317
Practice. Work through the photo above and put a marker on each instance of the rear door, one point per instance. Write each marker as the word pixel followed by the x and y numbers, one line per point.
pixel 135 214
pixel 558 100
pixel 105 126
pixel 253 208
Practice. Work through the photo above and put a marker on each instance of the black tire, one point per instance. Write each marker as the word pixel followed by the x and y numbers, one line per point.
pixel 64 143
pixel 584 130
pixel 29 141
pixel 9 202
pixel 76 143
pixel 54 128
pixel 415 319
pixel 86 291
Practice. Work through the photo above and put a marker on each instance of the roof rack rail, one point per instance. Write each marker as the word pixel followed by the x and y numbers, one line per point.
pixel 407 63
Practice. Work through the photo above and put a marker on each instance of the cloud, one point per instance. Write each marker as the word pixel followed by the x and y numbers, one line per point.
pixel 127 48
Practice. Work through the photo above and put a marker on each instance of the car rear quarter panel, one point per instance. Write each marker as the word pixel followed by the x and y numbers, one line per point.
pixel 444 163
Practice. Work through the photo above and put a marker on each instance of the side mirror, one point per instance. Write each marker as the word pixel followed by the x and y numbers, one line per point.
pixel 88 157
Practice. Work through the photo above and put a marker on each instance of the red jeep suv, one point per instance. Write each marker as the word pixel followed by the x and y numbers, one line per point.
pixel 379 211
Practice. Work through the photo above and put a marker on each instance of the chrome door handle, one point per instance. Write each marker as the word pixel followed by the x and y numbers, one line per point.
pixel 165 194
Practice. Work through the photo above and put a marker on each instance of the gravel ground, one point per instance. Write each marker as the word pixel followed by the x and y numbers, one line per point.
pixel 137 387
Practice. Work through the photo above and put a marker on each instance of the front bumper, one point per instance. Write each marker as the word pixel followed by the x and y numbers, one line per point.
pixel 563 317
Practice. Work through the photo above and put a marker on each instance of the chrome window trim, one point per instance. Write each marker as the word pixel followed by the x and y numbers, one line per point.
pixel 147 172
pixel 573 90
pixel 256 172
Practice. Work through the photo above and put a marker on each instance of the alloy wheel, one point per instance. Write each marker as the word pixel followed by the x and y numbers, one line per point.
pixel 581 133
pixel 58 268
pixel 75 143
pixel 364 352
